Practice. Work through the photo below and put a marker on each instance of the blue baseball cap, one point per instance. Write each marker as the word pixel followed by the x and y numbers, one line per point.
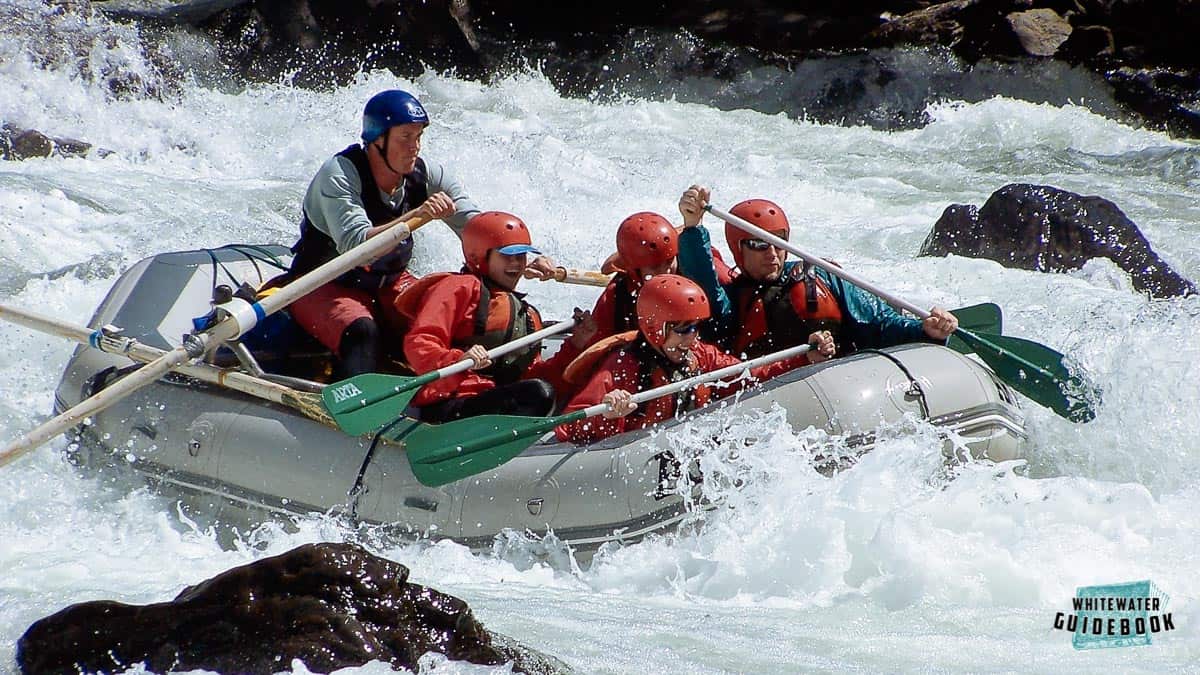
pixel 518 249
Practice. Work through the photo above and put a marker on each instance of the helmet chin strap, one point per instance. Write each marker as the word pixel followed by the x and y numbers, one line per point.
pixel 384 153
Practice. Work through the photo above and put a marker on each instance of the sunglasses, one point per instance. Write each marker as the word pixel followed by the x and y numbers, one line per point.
pixel 757 244
pixel 686 328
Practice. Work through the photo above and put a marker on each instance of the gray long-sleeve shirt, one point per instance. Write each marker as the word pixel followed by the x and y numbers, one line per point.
pixel 334 204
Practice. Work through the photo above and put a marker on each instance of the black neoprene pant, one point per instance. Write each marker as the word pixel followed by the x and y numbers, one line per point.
pixel 527 398
pixel 358 351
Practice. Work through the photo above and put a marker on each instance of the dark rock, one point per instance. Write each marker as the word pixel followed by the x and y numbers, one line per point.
pixel 1170 99
pixel 1043 228
pixel 330 605
pixel 17 144
pixel 972 28
pixel 167 10
pixel 326 42
pixel 1088 43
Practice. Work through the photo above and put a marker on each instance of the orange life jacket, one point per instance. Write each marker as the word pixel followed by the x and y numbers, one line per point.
pixel 654 370
pixel 782 314
pixel 500 317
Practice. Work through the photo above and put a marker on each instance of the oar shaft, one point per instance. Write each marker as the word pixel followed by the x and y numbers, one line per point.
pixel 703 378
pixel 114 343
pixel 814 260
pixel 508 347
pixel 91 406
pixel 241 317
pixel 568 275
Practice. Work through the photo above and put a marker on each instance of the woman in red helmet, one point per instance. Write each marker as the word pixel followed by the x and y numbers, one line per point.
pixel 456 316
pixel 665 348
pixel 774 304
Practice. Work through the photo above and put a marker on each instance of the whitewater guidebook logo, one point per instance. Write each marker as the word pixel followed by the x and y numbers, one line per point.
pixel 1116 615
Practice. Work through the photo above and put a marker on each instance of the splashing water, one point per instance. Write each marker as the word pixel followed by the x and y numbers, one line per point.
pixel 896 564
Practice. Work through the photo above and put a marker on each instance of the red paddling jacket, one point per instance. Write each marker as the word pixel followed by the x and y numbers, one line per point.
pixel 634 366
pixel 448 322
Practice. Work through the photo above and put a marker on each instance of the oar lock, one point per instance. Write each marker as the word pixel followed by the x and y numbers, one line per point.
pixel 108 338
pixel 240 305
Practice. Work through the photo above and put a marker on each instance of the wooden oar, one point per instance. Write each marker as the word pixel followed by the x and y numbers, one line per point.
pixel 365 403
pixel 240 316
pixel 371 401
pixel 1033 369
pixel 444 453
pixel 113 342
pixel 568 275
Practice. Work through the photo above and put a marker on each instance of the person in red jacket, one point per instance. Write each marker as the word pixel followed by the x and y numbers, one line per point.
pixel 664 349
pixel 464 315
pixel 646 246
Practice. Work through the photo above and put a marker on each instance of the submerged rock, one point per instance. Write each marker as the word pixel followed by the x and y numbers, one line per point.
pixel 174 10
pixel 1043 228
pixel 330 605
pixel 18 144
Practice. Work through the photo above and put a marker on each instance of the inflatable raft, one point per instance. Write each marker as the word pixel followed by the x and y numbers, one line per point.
pixel 192 432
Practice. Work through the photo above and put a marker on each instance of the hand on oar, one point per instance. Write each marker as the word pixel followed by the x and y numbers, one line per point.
pixel 568 275
pixel 1033 369
pixel 365 403
pixel 444 453
pixel 240 317
pixel 940 324
pixel 982 318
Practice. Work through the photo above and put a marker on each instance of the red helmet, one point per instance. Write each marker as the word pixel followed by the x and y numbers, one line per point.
pixel 646 240
pixel 493 230
pixel 669 298
pixel 760 212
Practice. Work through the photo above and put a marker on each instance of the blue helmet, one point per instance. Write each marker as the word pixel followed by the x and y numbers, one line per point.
pixel 389 108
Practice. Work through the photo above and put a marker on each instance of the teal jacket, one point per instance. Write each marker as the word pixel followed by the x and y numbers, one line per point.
pixel 867 321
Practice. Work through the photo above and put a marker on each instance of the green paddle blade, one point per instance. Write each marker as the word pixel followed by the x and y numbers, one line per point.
pixel 364 403
pixel 982 318
pixel 1036 371
pixel 444 453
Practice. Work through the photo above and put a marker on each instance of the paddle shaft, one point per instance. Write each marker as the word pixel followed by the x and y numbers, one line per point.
pixel 1042 378
pixel 114 343
pixel 94 404
pixel 540 426
pixel 582 277
pixel 702 378
pixel 459 366
pixel 241 317
pixel 786 245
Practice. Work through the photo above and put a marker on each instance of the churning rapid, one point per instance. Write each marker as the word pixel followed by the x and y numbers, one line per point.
pixel 896 564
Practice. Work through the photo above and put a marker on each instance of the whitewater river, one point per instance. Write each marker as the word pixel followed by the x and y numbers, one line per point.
pixel 892 566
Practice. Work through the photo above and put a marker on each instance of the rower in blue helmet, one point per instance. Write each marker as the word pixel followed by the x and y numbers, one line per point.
pixel 352 196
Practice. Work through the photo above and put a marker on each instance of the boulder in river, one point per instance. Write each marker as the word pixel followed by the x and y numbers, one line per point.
pixel 330 605
pixel 1039 227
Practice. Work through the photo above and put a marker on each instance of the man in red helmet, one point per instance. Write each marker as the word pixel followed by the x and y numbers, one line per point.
pixel 353 197
pixel 646 246
pixel 774 304
pixel 665 348
pixel 456 316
